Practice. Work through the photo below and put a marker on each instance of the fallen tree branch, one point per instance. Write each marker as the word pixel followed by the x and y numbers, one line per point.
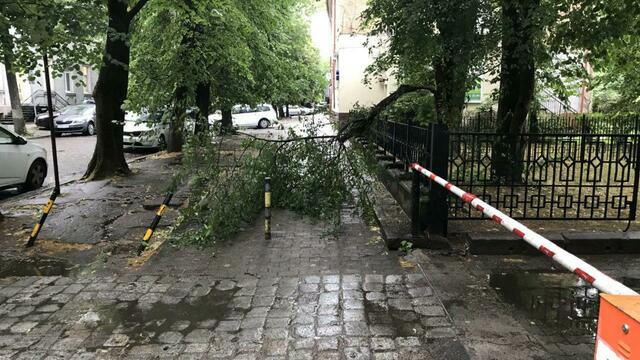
pixel 358 126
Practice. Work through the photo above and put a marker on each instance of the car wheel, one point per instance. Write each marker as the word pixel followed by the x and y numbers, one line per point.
pixel 263 123
pixel 91 129
pixel 162 143
pixel 36 175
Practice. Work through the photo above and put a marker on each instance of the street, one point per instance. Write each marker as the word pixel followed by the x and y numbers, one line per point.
pixel 74 154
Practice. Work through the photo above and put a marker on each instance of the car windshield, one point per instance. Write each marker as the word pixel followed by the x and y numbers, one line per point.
pixel 145 117
pixel 79 110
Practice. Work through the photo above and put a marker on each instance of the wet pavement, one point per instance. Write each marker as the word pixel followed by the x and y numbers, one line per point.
pixel 82 293
pixel 299 296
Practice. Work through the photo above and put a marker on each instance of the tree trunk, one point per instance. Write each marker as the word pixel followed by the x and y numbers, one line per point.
pixel 288 111
pixel 203 99
pixel 449 94
pixel 12 84
pixel 452 66
pixel 281 113
pixel 517 84
pixel 227 120
pixel 177 121
pixel 109 94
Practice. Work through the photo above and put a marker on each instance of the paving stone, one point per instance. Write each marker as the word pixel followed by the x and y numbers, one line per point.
pixel 274 347
pixel 170 337
pixel 228 325
pixel 199 336
pixel 432 310
pixel 353 315
pixel 305 331
pixel 117 340
pixel 410 341
pixel 420 292
pixel 359 328
pixel 23 327
pixel 329 330
pixel 48 308
pixel 226 285
pixel 382 343
pixel 331 298
pixel 180 325
pixel 400 304
pixel 357 353
pixel 21 311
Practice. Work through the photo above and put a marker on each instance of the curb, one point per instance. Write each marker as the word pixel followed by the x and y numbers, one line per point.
pixel 48 188
pixel 583 243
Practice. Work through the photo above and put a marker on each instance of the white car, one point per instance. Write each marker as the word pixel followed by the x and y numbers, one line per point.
pixel 295 110
pixel 244 116
pixel 145 131
pixel 23 164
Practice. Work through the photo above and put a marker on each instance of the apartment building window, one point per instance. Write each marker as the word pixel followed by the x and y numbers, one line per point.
pixel 69 86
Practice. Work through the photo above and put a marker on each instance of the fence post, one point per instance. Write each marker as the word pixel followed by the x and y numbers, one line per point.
pixel 438 212
pixel 415 202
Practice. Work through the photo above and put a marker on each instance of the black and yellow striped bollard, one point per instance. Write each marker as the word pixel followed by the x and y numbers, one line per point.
pixel 267 208
pixel 43 218
pixel 154 223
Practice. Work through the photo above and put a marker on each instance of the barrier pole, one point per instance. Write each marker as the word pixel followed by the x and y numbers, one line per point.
pixel 154 223
pixel 43 218
pixel 54 155
pixel 569 261
pixel 267 208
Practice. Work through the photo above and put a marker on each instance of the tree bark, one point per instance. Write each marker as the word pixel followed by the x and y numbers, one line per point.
pixel 177 121
pixel 109 94
pixel 14 94
pixel 281 112
pixel 452 65
pixel 203 99
pixel 287 111
pixel 517 84
pixel 227 120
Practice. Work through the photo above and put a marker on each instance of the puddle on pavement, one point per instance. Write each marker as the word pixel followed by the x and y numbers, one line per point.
pixel 143 324
pixel 559 302
pixel 38 266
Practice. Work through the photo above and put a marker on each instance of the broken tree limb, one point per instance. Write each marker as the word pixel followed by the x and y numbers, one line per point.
pixel 358 126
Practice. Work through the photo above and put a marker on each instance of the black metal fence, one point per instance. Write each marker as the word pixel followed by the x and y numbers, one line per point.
pixel 577 173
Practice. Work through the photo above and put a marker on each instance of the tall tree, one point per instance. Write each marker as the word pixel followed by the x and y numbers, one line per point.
pixel 435 43
pixel 111 89
pixel 30 29
pixel 520 27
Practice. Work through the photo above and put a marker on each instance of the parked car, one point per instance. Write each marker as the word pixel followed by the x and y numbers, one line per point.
pixel 145 131
pixel 42 119
pixel 295 110
pixel 23 164
pixel 244 116
pixel 77 119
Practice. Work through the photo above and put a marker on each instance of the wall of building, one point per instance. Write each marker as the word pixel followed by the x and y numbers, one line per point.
pixel 33 91
pixel 352 61
pixel 5 101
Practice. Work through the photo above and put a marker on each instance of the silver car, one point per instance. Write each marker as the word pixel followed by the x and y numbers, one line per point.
pixel 77 119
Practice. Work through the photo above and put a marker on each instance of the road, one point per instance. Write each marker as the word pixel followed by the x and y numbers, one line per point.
pixel 75 151
pixel 74 154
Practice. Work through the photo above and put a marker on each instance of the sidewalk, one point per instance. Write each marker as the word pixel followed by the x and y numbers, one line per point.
pixel 33 131
pixel 298 296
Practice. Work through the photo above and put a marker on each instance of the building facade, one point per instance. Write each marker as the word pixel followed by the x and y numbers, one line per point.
pixel 350 59
pixel 67 89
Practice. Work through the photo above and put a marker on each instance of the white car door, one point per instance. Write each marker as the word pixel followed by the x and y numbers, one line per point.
pixel 13 160
pixel 245 117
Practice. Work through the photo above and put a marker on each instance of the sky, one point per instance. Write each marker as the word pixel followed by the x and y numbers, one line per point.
pixel 320 32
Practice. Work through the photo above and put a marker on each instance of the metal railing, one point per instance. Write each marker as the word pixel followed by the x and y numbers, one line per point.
pixel 588 171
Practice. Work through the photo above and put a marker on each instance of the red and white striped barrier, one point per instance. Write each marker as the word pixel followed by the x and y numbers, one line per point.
pixel 572 263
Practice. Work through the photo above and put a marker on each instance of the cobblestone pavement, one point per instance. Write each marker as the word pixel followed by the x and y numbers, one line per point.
pixel 300 296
